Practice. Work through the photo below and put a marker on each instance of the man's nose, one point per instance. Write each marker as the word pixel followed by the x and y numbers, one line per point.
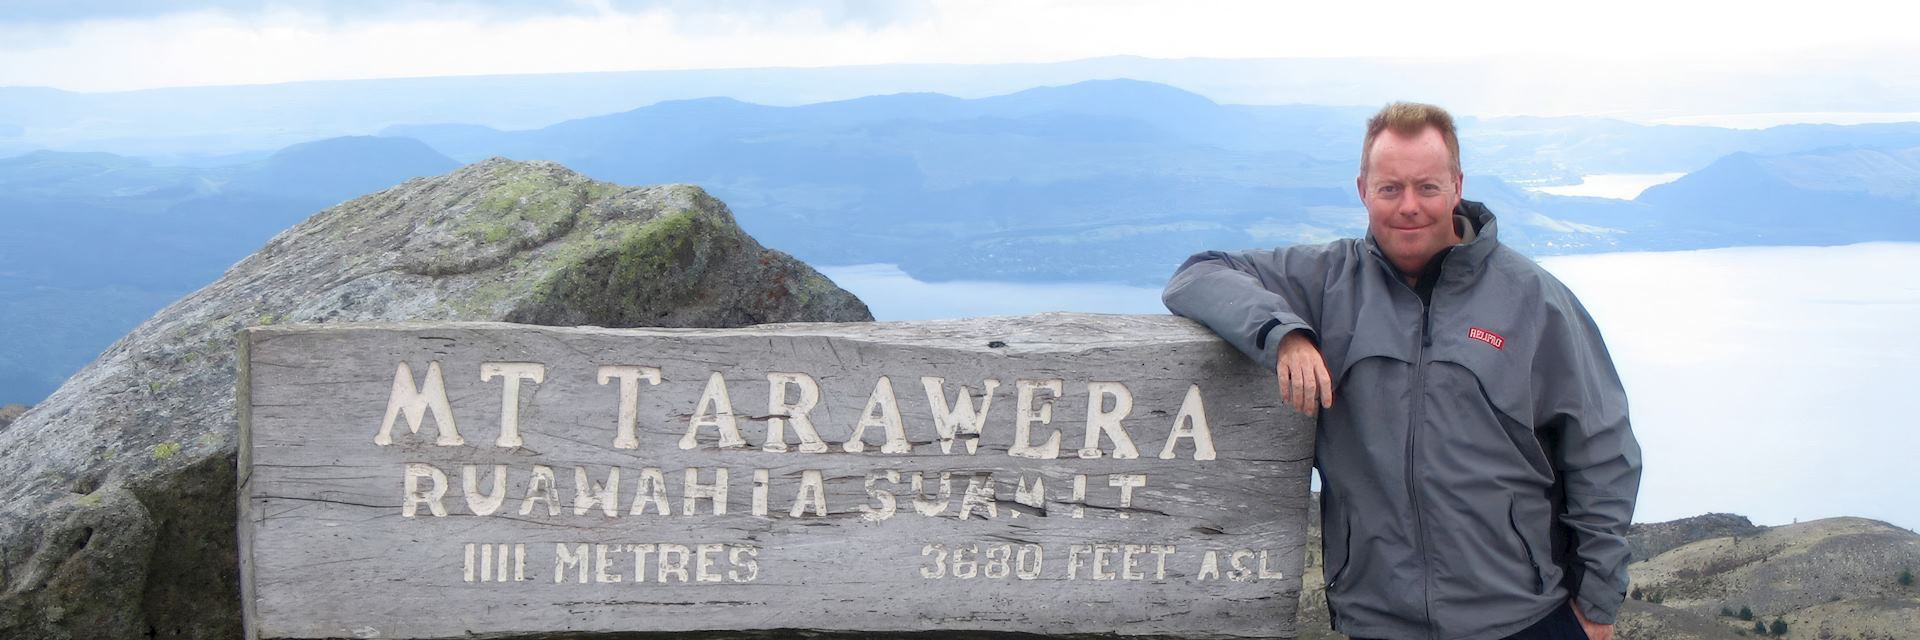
pixel 1407 207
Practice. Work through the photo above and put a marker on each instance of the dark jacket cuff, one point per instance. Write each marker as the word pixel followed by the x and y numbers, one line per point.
pixel 1260 339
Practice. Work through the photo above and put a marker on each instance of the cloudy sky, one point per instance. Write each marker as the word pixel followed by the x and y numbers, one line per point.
pixel 104 45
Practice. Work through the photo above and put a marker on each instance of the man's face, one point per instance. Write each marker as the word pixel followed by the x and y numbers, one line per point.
pixel 1410 188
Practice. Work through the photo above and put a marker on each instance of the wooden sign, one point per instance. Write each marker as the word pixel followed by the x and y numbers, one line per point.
pixel 1052 474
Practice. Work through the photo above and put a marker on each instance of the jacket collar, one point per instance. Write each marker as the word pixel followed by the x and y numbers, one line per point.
pixel 1468 257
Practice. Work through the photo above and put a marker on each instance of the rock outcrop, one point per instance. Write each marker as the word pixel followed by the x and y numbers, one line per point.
pixel 1654 538
pixel 118 506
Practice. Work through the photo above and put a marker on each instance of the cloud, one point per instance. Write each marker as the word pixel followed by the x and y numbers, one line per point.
pixel 99 47
pixel 122 44
pixel 857 13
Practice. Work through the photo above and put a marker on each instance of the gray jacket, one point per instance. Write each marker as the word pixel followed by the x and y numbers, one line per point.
pixel 1477 465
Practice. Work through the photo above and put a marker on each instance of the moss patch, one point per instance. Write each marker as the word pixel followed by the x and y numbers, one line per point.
pixel 643 275
pixel 166 450
pixel 527 206
pixel 648 252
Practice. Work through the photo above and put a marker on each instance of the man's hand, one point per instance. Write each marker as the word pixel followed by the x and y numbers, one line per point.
pixel 1303 374
pixel 1595 630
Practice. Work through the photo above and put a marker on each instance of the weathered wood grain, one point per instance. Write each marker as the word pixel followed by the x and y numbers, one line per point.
pixel 328 550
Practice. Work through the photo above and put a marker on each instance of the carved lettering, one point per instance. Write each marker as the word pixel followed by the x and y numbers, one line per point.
pixel 888 419
pixel 540 487
pixel 413 403
pixel 413 495
pixel 587 493
pixel 513 373
pixel 813 490
pixel 693 491
pixel 715 409
pixel 779 411
pixel 958 419
pixel 885 502
pixel 1026 414
pixel 979 493
pixel 483 504
pixel 1103 421
pixel 1191 423
pixel 624 436
pixel 651 491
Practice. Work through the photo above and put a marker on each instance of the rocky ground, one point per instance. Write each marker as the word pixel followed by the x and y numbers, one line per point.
pixel 1831 579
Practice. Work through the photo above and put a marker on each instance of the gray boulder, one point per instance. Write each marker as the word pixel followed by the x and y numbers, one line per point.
pixel 117 500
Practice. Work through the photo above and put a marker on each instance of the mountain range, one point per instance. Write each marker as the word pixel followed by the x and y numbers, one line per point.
pixel 96 242
pixel 198 124
pixel 1109 180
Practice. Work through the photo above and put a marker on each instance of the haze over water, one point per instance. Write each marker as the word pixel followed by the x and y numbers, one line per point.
pixel 1772 382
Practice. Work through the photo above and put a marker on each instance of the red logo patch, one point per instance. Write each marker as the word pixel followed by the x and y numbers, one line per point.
pixel 1488 337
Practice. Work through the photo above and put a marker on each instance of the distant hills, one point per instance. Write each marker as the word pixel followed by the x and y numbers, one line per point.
pixel 1107 180
pixel 96 242
pixel 1825 196
pixel 196 123
pixel 1119 179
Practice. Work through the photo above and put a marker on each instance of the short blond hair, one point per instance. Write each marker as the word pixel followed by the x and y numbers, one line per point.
pixel 1409 119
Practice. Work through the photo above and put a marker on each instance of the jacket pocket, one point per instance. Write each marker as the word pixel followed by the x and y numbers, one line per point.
pixel 1344 552
pixel 1533 561
pixel 1327 554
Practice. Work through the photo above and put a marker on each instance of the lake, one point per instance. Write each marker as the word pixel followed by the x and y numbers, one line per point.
pixel 1618 186
pixel 1765 381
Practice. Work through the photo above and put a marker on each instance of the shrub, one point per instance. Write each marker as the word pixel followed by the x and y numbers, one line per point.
pixel 1906 577
pixel 1779 627
pixel 1745 613
pixel 1759 628
pixel 1635 593
pixel 1726 612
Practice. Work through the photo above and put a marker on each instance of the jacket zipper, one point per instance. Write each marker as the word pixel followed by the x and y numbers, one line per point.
pixel 1415 415
pixel 1413 425
pixel 1426 325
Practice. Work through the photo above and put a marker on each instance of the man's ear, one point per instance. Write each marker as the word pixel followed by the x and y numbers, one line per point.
pixel 1360 185
pixel 1459 184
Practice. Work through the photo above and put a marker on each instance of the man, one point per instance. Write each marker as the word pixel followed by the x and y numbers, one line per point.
pixel 1478 471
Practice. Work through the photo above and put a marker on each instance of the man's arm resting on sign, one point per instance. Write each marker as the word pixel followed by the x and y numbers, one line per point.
pixel 1303 374
pixel 1257 301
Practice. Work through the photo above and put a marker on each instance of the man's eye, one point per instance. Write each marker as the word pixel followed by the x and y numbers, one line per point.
pixel 1430 189
pixel 1388 189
